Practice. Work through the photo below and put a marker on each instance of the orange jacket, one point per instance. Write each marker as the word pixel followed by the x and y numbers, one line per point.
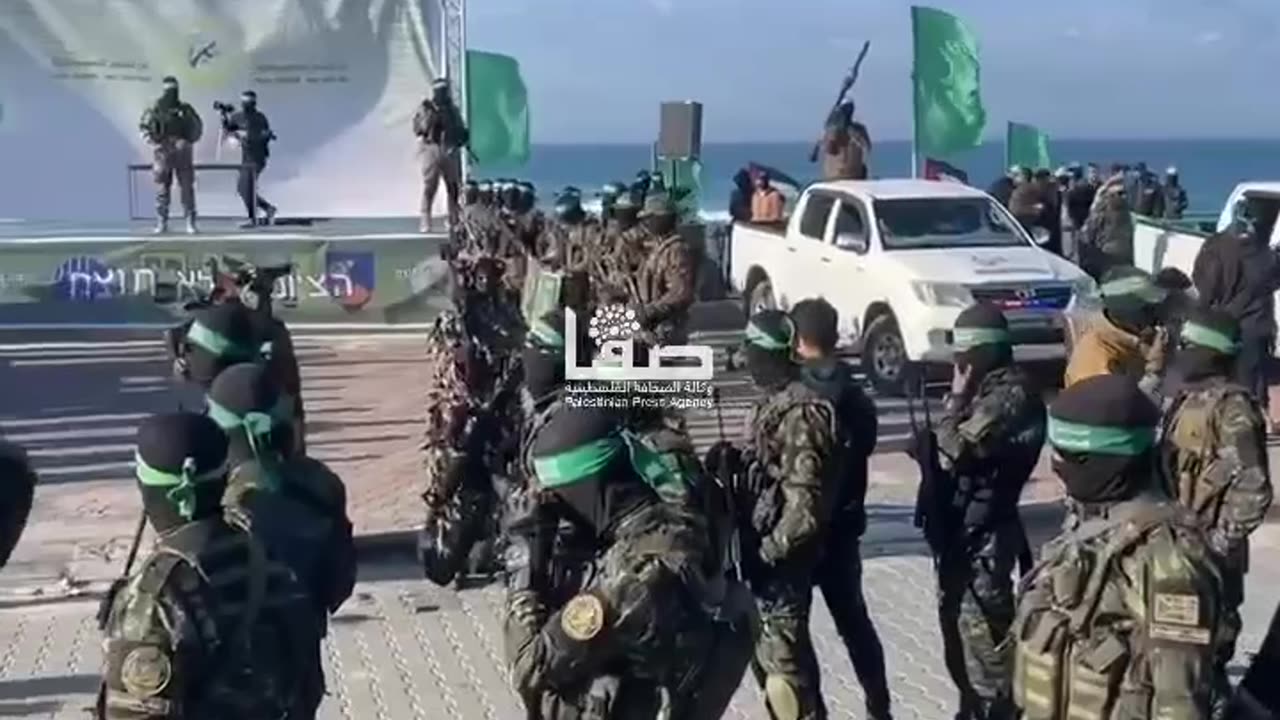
pixel 1104 349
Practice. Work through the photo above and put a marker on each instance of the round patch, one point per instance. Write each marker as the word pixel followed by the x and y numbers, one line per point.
pixel 146 671
pixel 583 617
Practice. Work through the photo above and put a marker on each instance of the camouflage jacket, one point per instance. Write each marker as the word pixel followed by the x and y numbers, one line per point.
pixel 666 284
pixel 641 615
pixel 1214 456
pixel 299 511
pixel 792 438
pixel 990 443
pixel 440 125
pixel 1119 619
pixel 161 126
pixel 450 407
pixel 210 627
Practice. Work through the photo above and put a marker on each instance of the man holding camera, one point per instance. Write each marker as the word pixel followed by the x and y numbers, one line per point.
pixel 251 128
pixel 442 135
pixel 172 128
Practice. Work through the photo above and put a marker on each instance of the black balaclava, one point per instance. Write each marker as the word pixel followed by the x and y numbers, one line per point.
pixel 221 336
pixel 485 193
pixel 511 197
pixel 1103 429
pixel 659 214
pixel 440 94
pixel 470 192
pixel 1208 345
pixel 981 340
pixel 248 404
pixel 169 94
pixel 248 101
pixel 568 207
pixel 626 213
pixel 527 197
pixel 742 181
pixel 181 468
pixel 581 459
pixel 1131 299
pixel 770 338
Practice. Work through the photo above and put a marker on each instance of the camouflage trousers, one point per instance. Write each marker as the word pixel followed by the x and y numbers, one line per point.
pixel 975 611
pixel 785 664
pixel 448 540
pixel 170 161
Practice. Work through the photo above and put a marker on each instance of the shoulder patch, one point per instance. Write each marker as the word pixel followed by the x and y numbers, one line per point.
pixel 146 671
pixel 1177 609
pixel 583 617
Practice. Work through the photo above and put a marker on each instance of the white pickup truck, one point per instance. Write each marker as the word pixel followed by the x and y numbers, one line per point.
pixel 899 259
pixel 1159 244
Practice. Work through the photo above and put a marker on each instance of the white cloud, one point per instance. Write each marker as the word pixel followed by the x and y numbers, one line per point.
pixel 1208 38
pixel 664 7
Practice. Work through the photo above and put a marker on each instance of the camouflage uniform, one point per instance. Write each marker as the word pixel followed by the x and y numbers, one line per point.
pixel 1107 240
pixel 208 587
pixel 791 495
pixel 173 130
pixel 667 289
pixel 1214 455
pixel 989 444
pixel 1118 619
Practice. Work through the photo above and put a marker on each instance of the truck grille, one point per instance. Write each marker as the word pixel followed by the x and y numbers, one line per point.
pixel 1044 297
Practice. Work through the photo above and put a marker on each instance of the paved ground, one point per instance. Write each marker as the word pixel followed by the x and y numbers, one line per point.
pixel 401 648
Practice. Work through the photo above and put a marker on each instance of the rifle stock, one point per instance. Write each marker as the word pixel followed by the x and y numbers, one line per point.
pixel 933 512
pixel 109 599
pixel 845 87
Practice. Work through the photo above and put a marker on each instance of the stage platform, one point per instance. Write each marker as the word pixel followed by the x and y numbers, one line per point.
pixel 216 229
pixel 349 273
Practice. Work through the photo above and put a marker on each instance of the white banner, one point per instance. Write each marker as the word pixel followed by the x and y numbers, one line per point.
pixel 338 79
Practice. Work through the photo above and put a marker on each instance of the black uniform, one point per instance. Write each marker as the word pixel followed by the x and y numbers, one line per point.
pixel 254 132
pixel 839 574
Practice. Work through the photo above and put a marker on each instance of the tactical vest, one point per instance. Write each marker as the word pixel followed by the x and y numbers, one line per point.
pixel 1076 642
pixel 1191 433
pixel 261 646
pixel 766 468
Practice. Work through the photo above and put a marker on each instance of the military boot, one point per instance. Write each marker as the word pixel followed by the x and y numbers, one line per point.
pixel 191 224
pixel 162 226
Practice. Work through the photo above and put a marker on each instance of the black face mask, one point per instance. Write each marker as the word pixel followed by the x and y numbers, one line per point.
pixel 1194 363
pixel 983 359
pixel 163 512
pixel 661 225
pixel 1097 479
pixel 169 97
pixel 248 106
pixel 769 369
pixel 600 503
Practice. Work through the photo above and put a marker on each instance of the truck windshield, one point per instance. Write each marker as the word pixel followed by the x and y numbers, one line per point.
pixel 918 223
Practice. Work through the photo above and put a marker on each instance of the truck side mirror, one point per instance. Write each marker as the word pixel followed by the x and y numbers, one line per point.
pixel 1040 236
pixel 853 242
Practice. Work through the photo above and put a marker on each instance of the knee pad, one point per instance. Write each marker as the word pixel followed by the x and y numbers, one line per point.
pixel 784 701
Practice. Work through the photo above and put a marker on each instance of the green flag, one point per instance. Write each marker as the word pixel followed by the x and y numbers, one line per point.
pixel 497 110
pixel 1027 146
pixel 949 116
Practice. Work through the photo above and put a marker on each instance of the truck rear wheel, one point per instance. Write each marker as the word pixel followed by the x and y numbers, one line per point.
pixel 759 297
pixel 884 356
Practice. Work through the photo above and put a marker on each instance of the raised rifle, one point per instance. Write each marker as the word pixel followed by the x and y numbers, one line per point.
pixel 845 87
pixel 934 497
pixel 724 477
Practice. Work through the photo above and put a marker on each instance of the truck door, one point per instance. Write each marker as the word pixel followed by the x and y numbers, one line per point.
pixel 842 266
pixel 804 250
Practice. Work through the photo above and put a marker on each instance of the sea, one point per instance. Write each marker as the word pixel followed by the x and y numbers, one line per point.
pixel 1209 169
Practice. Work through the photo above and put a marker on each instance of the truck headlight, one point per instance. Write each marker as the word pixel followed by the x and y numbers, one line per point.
pixel 1084 291
pixel 942 294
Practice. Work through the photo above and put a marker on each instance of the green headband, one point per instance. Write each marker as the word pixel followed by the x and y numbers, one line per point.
pixel 257 428
pixel 1139 287
pixel 1198 334
pixel 763 340
pixel 964 338
pixel 545 334
pixel 216 343
pixel 577 464
pixel 182 485
pixel 1100 439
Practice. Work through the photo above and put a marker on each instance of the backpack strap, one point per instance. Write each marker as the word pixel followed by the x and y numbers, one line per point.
pixel 1138 519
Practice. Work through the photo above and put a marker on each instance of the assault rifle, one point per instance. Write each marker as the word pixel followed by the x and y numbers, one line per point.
pixel 845 87
pixel 724 476
pixel 934 513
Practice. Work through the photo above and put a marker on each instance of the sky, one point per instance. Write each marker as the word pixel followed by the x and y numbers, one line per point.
pixel 768 70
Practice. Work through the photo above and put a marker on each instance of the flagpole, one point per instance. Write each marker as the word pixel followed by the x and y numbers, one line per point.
pixel 1008 159
pixel 915 131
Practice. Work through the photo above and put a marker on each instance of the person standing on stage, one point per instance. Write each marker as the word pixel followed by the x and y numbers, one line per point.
pixel 253 131
pixel 442 134
pixel 172 128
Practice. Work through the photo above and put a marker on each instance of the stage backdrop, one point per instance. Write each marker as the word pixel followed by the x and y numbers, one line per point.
pixel 340 81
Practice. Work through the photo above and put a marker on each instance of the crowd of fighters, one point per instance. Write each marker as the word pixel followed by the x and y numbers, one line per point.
pixel 643 581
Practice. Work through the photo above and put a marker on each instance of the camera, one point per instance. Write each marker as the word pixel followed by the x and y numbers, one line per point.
pixel 224 108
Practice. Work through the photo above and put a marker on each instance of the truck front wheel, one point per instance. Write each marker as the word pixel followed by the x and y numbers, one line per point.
pixel 759 297
pixel 884 356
